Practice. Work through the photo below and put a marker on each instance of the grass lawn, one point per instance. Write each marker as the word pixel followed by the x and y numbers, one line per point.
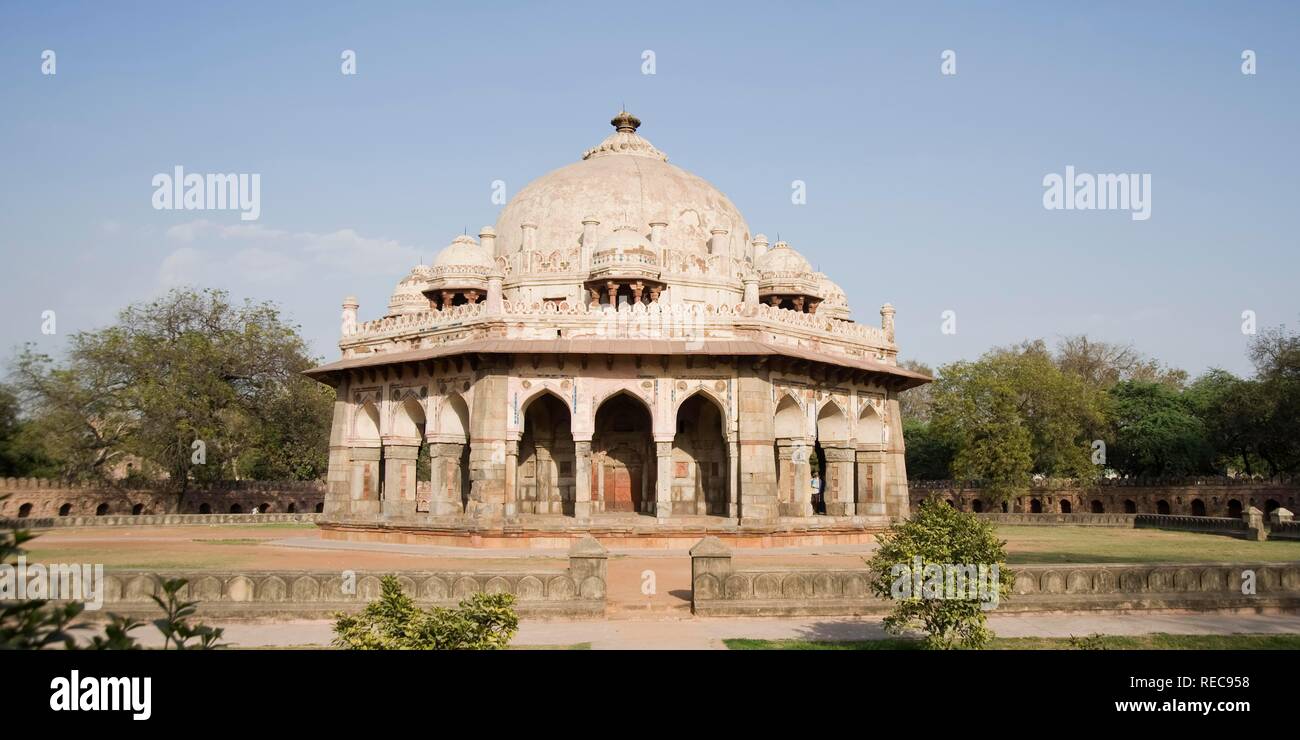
pixel 1155 641
pixel 1065 544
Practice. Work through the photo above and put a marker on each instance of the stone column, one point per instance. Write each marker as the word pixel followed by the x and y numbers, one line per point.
pixel 755 438
pixel 896 501
pixel 582 479
pixel 365 480
pixel 445 477
pixel 338 479
pixel 487 459
pixel 733 480
pixel 839 479
pixel 511 507
pixel 870 492
pixel 664 478
pixel 399 479
pixel 785 475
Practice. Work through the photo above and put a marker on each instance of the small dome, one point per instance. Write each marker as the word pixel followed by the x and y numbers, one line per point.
pixel 464 252
pixel 624 238
pixel 781 258
pixel 407 296
pixel 835 303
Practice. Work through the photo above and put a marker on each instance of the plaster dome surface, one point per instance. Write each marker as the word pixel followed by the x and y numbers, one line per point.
pixel 624 238
pixel 462 252
pixel 623 180
pixel 781 258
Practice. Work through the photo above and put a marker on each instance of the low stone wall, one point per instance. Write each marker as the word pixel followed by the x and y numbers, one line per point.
pixel 578 591
pixel 158 520
pixel 721 590
pixel 37 498
pixel 1085 520
pixel 1209 524
pixel 1207 496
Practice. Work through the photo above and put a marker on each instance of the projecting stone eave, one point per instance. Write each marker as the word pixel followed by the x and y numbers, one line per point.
pixel 893 377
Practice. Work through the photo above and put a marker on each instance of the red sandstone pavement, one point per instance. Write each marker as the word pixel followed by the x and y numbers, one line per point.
pixel 708 634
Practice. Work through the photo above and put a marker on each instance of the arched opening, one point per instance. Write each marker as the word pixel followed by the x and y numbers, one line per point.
pixel 236 509
pixel 546 458
pixel 24 511
pixel 1130 507
pixel 1270 505
pixel 453 432
pixel 623 458
pixel 1066 506
pixel 791 454
pixel 1098 507
pixel 833 471
pixel 320 508
pixel 1004 507
pixel 365 434
pixel 1162 507
pixel 951 505
pixel 700 456
pixel 870 430
pixel 65 509
pixel 264 508
pixel 137 509
pixel 292 508
pixel 1198 507
pixel 977 506
pixel 1234 508
pixel 205 508
pixel 101 510
pixel 1035 506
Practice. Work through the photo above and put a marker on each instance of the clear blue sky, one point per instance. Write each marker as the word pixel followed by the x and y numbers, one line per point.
pixel 923 190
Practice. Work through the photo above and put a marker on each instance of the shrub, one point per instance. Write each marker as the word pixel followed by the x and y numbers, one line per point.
pixel 394 622
pixel 939 535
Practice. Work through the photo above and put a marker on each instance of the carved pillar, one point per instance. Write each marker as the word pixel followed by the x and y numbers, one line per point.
pixel 611 288
pixel 471 296
pixel 839 479
pixel 733 480
pixel 664 479
pixel 511 507
pixel 757 485
pixel 895 468
pixel 774 301
pixel 798 303
pixel 339 475
pixel 637 287
pixel 582 479
pixel 399 479
pixel 487 459
pixel 870 489
pixel 365 480
pixel 445 476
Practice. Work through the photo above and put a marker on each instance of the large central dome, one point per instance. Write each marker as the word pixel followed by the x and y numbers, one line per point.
pixel 624 181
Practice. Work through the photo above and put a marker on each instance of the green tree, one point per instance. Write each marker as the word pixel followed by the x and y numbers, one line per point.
pixel 939 535
pixel 1014 413
pixel 1156 432
pixel 191 367
pixel 929 455
pixel 916 403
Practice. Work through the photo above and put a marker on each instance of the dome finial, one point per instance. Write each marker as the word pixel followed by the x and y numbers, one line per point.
pixel 625 122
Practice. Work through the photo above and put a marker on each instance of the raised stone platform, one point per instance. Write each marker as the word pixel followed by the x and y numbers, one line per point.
pixel 611 530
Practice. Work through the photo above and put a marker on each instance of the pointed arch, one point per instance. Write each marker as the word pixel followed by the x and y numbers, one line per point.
pixel 545 468
pixel 621 391
pixel 789 418
pixel 700 456
pixel 453 418
pixel 871 428
pixel 718 402
pixel 832 423
pixel 408 417
pixel 365 423
pixel 623 453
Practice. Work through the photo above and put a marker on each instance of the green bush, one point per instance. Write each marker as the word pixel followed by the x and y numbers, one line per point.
pixel 939 535
pixel 394 622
